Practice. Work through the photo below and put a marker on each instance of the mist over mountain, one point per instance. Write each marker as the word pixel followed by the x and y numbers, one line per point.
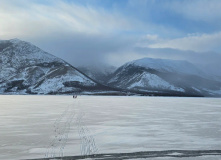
pixel 99 72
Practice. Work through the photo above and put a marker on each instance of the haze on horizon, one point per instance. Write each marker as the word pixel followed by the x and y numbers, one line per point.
pixel 84 32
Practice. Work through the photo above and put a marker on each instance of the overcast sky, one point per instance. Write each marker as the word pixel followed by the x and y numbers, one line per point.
pixel 116 31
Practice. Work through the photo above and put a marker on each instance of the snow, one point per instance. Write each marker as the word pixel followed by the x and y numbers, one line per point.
pixel 196 89
pixel 177 66
pixel 56 84
pixel 153 81
pixel 25 53
pixel 33 53
pixel 113 79
pixel 213 92
pixel 24 61
pixel 114 124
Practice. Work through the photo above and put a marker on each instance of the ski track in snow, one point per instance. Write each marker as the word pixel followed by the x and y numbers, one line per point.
pixel 62 127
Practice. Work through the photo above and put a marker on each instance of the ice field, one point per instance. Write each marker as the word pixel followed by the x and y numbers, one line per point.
pixel 34 127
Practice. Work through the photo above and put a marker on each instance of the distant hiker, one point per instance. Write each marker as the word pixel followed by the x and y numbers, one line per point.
pixel 74 96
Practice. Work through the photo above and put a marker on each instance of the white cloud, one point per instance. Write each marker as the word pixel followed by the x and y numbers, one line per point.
pixel 151 37
pixel 25 18
pixel 205 10
pixel 195 42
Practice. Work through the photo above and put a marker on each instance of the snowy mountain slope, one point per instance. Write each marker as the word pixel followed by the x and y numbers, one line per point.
pixel 166 65
pixel 154 82
pixel 26 68
pixel 164 76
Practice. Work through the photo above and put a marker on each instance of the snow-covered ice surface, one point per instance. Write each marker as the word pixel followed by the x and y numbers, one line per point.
pixel 51 126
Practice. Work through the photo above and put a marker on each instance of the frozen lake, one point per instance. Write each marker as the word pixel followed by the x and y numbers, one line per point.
pixel 52 126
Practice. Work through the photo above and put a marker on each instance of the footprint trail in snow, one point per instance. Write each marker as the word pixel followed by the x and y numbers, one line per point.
pixel 72 115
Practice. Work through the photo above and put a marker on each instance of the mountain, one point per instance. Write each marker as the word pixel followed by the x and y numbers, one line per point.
pixel 26 69
pixel 164 77
pixel 99 72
